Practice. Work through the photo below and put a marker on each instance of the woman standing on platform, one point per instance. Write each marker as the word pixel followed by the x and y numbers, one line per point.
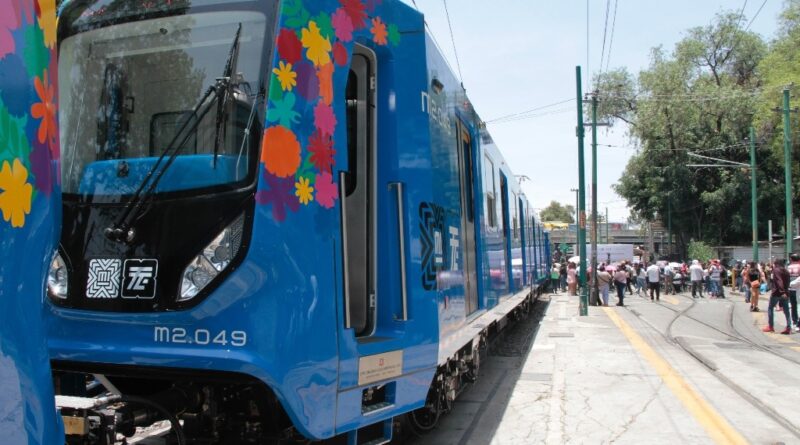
pixel 603 280
pixel 555 273
pixel 572 279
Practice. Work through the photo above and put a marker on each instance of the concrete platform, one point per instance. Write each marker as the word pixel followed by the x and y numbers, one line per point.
pixel 608 377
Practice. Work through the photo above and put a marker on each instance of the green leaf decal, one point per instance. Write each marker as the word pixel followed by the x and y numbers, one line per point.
pixel 36 55
pixel 13 143
pixel 282 111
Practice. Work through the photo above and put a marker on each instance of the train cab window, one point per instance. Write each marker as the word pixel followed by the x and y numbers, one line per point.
pixel 358 216
pixel 488 187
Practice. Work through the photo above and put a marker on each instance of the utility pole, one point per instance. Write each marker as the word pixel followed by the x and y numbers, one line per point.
pixel 584 304
pixel 607 236
pixel 596 285
pixel 787 166
pixel 769 234
pixel 577 218
pixel 753 195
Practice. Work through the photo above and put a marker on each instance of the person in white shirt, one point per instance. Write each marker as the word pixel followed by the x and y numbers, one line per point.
pixel 696 275
pixel 653 277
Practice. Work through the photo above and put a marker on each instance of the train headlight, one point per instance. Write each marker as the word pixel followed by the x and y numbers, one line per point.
pixel 212 260
pixel 57 278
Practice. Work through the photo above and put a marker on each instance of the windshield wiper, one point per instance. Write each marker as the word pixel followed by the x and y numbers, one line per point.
pixel 122 230
pixel 227 93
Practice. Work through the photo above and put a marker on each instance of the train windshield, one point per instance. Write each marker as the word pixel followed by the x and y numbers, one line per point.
pixel 134 86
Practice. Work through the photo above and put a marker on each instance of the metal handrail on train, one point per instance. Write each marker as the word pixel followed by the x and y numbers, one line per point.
pixel 401 232
pixel 345 262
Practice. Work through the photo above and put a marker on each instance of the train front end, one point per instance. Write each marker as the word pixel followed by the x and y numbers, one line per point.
pixel 199 277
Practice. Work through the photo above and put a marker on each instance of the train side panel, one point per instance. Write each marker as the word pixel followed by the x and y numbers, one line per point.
pixel 30 205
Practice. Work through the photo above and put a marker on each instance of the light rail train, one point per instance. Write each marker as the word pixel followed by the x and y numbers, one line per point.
pixel 282 221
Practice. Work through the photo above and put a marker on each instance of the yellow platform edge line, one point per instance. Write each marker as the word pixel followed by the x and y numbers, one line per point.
pixel 716 426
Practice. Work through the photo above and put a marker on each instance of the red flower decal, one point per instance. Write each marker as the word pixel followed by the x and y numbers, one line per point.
pixel 355 9
pixel 289 46
pixel 322 152
pixel 339 54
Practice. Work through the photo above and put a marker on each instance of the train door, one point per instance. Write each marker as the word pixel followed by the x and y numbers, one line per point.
pixel 358 191
pixel 506 230
pixel 466 182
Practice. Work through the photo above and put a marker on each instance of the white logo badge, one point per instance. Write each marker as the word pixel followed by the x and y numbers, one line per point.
pixel 103 279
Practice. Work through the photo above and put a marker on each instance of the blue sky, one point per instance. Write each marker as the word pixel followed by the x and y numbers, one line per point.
pixel 516 55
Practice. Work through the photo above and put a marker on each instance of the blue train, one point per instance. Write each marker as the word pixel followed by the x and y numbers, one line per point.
pixel 281 221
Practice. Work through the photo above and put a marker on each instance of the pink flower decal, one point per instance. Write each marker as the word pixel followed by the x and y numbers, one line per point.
pixel 324 119
pixel 326 190
pixel 342 25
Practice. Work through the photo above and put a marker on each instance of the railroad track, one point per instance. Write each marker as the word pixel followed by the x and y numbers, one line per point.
pixel 709 364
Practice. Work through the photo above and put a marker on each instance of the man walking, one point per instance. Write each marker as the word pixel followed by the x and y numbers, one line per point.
pixel 696 275
pixel 653 276
pixel 780 296
pixel 620 281
pixel 794 273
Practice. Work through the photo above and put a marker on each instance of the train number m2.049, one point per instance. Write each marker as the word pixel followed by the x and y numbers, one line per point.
pixel 200 337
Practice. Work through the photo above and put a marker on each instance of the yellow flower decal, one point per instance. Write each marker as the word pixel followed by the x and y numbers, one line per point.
pixel 286 76
pixel 16 194
pixel 319 48
pixel 48 21
pixel 303 191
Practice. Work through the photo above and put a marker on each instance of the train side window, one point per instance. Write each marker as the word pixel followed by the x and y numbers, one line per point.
pixel 488 186
pixel 358 199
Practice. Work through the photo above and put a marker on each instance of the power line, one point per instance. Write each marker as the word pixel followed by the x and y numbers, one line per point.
pixel 588 75
pixel 530 111
pixel 611 42
pixel 530 116
pixel 605 30
pixel 756 15
pixel 453 39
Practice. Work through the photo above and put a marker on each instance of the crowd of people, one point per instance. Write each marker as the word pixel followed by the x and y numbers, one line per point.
pixel 777 280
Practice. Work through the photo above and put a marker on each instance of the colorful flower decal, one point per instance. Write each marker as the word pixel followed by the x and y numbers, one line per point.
pixel 36 55
pixel 282 111
pixel 289 46
pixel 324 119
pixel 355 9
pixel 394 35
pixel 318 47
pixel 322 152
pixel 339 54
pixel 325 76
pixel 326 190
pixel 303 191
pixel 45 110
pixel 279 195
pixel 343 25
pixel 299 157
pixel 18 87
pixel 378 31
pixel 323 21
pixel 307 82
pixel 286 76
pixel 16 194
pixel 48 21
pixel 41 168
pixel 8 21
pixel 280 151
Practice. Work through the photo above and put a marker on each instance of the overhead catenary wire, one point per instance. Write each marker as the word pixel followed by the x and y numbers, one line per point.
pixel 453 39
pixel 530 111
pixel 611 40
pixel 605 31
pixel 756 15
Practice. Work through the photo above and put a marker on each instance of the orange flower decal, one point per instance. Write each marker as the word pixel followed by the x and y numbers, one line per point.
pixel 378 31
pixel 15 193
pixel 325 76
pixel 45 110
pixel 280 151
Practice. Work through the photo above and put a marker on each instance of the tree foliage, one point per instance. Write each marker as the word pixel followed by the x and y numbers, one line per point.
pixel 557 212
pixel 700 251
pixel 701 98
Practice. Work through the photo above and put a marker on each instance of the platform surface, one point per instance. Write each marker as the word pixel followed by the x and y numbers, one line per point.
pixel 621 375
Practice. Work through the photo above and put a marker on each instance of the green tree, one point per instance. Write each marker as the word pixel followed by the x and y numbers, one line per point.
pixel 557 212
pixel 698 250
pixel 700 98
